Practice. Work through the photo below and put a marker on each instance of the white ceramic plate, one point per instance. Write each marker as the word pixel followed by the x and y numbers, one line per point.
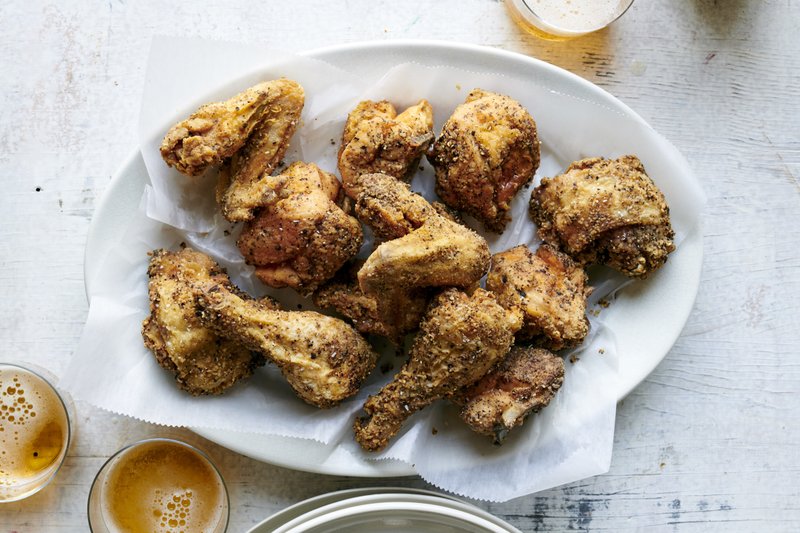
pixel 400 510
pixel 646 318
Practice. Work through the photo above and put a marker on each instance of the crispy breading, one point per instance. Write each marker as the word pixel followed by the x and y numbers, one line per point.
pixel 378 140
pixel 460 339
pixel 203 361
pixel 216 131
pixel 300 237
pixel 487 151
pixel 605 211
pixel 323 358
pixel 524 383
pixel 549 288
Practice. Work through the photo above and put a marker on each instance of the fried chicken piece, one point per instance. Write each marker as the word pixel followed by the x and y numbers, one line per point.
pixel 550 290
pixel 378 140
pixel 238 190
pixel 344 295
pixel 426 249
pixel 300 237
pixel 487 151
pixel 323 358
pixel 524 383
pixel 203 361
pixel 605 211
pixel 390 207
pixel 218 130
pixel 460 339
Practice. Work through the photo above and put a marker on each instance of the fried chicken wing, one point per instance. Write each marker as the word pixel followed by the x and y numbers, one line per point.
pixel 426 249
pixel 238 191
pixel 300 237
pixel 487 151
pixel 460 339
pixel 203 361
pixel 605 211
pixel 323 359
pixel 378 140
pixel 549 288
pixel 218 130
pixel 524 383
pixel 344 295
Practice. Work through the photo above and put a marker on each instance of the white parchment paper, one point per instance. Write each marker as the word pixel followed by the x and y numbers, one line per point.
pixel 570 439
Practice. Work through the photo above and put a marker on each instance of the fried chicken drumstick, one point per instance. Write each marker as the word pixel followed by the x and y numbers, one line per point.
pixel 378 140
pixel 203 361
pixel 322 358
pixel 605 211
pixel 524 383
pixel 460 339
pixel 487 151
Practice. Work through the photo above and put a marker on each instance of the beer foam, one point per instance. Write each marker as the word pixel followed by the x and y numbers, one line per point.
pixel 577 15
pixel 34 428
pixel 162 486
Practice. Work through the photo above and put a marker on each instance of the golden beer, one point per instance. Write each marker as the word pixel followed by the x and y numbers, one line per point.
pixel 34 432
pixel 564 19
pixel 159 485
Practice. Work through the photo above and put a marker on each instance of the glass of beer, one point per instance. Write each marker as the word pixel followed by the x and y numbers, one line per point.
pixel 34 432
pixel 159 485
pixel 564 19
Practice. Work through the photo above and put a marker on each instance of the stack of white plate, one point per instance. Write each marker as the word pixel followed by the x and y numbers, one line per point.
pixel 379 510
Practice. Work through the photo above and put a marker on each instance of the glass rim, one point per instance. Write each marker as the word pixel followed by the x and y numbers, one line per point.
pixel 561 32
pixel 148 440
pixel 40 373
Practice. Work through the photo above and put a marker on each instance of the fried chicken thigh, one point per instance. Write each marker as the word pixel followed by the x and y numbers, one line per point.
pixel 218 130
pixel 487 151
pixel 605 211
pixel 378 140
pixel 322 358
pixel 460 339
pixel 549 288
pixel 300 237
pixel 203 361
pixel 524 383
pixel 430 250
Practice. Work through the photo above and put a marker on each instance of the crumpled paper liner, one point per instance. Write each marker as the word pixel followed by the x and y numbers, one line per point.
pixel 570 439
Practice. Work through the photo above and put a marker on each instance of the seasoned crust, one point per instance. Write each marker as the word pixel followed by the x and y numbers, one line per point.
pixel 378 140
pixel 460 339
pixel 549 288
pixel 605 211
pixel 202 361
pixel 524 383
pixel 487 151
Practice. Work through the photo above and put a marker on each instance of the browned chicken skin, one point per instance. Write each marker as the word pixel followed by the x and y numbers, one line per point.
pixel 323 359
pixel 300 237
pixel 344 295
pixel 605 211
pixel 524 383
pixel 460 339
pixel 203 361
pixel 427 249
pixel 378 140
pixel 238 190
pixel 487 151
pixel 216 131
pixel 550 290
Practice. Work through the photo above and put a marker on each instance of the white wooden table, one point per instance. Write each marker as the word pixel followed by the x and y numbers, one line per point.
pixel 709 442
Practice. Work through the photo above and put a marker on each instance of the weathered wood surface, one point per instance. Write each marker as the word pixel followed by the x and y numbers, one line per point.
pixel 709 442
